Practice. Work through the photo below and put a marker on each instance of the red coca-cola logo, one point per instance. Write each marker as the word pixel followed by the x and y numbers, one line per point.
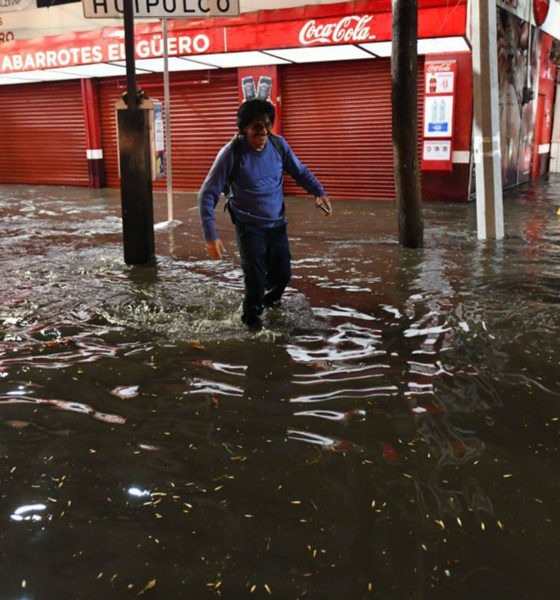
pixel 540 11
pixel 347 29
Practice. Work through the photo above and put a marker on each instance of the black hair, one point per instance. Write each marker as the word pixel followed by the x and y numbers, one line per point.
pixel 253 109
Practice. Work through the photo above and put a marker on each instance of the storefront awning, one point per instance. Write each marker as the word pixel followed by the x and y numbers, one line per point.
pixel 355 30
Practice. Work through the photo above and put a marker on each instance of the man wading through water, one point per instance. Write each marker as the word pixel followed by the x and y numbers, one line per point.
pixel 250 170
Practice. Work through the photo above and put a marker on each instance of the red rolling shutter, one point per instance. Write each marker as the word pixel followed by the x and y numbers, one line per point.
pixel 43 134
pixel 337 119
pixel 203 110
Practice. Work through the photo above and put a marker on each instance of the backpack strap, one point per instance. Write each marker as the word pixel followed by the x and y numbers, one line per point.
pixel 236 150
pixel 278 145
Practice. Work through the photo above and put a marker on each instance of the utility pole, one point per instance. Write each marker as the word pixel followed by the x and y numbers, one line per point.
pixel 135 162
pixel 404 63
pixel 487 152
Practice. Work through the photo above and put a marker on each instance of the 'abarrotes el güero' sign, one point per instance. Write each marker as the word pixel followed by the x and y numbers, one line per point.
pixel 95 9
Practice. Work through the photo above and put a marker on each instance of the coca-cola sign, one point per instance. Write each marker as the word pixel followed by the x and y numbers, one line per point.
pixel 440 67
pixel 349 30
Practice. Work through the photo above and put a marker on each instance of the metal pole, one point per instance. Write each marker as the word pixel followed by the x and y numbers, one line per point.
pixel 487 150
pixel 404 65
pixel 169 174
pixel 135 163
pixel 129 49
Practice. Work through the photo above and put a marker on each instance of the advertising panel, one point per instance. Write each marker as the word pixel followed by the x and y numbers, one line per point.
pixel 518 61
pixel 437 21
pixel 439 102
pixel 437 150
pixel 159 143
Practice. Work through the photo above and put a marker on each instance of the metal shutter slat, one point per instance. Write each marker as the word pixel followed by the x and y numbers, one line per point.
pixel 202 121
pixel 42 127
pixel 337 119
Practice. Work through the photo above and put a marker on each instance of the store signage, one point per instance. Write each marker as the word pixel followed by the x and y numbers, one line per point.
pixel 440 79
pixel 6 36
pixel 348 30
pixel 95 9
pixel 32 54
pixel 188 37
pixel 438 21
pixel 439 101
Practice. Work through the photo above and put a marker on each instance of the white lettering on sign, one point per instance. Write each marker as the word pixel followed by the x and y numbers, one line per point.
pixel 150 47
pixel 440 67
pixel 94 9
pixel 348 29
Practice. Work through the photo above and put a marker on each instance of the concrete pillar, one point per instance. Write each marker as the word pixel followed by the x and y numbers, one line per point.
pixel 487 154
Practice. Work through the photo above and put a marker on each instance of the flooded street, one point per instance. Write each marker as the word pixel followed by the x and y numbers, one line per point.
pixel 392 433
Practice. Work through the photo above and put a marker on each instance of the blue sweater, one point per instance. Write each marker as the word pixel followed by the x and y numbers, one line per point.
pixel 256 194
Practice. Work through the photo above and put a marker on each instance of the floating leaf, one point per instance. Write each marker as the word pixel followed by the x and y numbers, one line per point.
pixel 197 344
pixel 149 586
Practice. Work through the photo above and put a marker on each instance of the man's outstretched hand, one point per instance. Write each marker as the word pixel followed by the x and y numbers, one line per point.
pixel 324 204
pixel 215 249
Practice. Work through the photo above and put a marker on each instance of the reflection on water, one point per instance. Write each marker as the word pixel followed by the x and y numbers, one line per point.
pixel 392 433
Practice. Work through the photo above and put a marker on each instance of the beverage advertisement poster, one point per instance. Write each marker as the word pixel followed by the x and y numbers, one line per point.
pixel 438 116
pixel 440 84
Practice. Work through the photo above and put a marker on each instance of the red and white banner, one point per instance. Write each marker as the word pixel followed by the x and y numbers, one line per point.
pixel 440 21
pixel 83 48
pixel 248 32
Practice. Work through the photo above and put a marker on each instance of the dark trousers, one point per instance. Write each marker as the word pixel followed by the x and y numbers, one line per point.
pixel 265 260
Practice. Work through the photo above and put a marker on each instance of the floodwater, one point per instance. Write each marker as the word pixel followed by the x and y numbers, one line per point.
pixel 393 432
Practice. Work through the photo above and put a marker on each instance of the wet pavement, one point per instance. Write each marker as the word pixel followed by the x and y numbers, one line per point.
pixel 393 432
